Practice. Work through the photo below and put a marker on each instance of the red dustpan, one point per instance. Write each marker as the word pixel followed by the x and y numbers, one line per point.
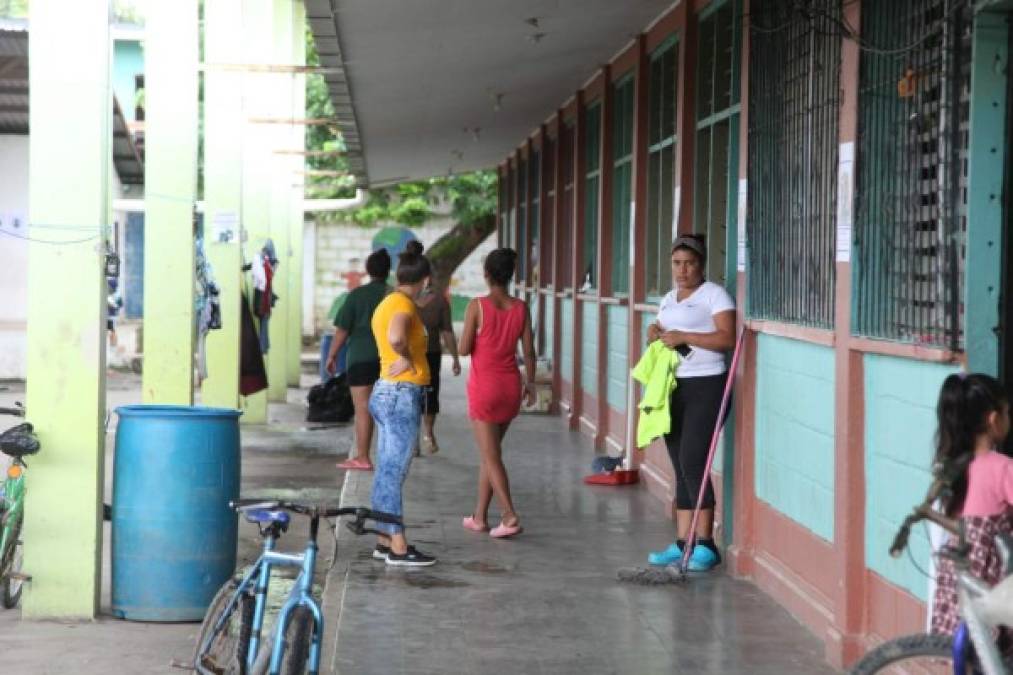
pixel 617 477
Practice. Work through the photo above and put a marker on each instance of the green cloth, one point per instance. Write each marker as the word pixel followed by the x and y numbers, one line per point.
pixel 656 371
pixel 355 315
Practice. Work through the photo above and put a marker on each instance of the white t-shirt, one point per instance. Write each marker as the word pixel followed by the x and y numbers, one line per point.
pixel 695 314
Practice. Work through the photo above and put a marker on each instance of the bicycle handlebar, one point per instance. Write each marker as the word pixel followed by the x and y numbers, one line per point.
pixel 14 412
pixel 361 513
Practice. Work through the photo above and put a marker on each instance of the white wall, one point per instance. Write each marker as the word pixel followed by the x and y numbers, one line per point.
pixel 13 255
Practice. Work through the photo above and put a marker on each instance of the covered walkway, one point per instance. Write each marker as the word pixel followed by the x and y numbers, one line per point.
pixel 548 601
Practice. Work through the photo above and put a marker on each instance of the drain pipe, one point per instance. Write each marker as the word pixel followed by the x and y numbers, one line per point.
pixel 319 205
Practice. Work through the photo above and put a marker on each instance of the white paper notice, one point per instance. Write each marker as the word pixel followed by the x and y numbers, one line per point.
pixel 676 199
pixel 845 198
pixel 633 233
pixel 743 196
pixel 224 227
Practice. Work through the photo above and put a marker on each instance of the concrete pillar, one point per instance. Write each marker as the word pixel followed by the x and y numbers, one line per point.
pixel 170 189
pixel 223 155
pixel 280 137
pixel 258 104
pixel 67 304
pixel 295 238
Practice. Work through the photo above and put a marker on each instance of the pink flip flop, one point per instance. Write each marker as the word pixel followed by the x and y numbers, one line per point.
pixel 356 464
pixel 502 531
pixel 469 523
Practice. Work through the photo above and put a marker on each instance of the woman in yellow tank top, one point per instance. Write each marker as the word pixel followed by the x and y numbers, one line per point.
pixel 396 401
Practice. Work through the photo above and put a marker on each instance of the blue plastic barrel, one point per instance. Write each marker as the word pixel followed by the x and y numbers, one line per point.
pixel 173 533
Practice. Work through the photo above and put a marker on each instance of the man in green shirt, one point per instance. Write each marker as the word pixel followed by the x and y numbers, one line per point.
pixel 362 361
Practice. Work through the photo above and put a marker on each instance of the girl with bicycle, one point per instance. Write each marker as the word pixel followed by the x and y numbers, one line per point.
pixel 973 415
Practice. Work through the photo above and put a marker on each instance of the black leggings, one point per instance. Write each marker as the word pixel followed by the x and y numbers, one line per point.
pixel 694 406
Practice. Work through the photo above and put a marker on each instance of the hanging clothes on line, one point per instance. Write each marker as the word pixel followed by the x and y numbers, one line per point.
pixel 265 262
pixel 252 373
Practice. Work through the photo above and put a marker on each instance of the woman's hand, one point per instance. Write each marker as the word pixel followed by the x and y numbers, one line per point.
pixel 401 366
pixel 456 368
pixel 673 338
pixel 529 394
pixel 332 364
pixel 653 332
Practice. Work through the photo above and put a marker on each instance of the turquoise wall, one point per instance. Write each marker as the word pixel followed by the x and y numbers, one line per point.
pixel 566 348
pixel 589 348
pixel 900 422
pixel 128 62
pixel 795 431
pixel 548 328
pixel 618 360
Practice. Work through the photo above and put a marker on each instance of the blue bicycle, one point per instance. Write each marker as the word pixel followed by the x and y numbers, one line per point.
pixel 229 640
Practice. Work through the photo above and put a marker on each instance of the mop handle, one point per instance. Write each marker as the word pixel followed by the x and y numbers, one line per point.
pixel 729 384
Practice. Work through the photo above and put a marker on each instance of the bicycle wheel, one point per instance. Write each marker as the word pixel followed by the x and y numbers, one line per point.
pixel 922 653
pixel 10 561
pixel 226 655
pixel 297 645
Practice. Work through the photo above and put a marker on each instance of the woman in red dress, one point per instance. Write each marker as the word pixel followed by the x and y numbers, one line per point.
pixel 493 325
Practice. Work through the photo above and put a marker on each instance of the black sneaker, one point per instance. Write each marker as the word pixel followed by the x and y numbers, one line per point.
pixel 381 552
pixel 412 558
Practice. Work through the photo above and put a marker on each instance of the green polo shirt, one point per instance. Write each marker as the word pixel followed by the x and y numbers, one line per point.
pixel 355 315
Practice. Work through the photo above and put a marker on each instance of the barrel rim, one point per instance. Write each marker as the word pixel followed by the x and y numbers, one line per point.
pixel 162 410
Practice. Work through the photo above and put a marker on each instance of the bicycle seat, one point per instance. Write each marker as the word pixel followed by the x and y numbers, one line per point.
pixel 268 517
pixel 19 441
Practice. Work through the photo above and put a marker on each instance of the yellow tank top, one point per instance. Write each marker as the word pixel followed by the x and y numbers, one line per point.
pixel 399 303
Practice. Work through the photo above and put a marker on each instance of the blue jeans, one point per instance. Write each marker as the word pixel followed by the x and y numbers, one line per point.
pixel 397 409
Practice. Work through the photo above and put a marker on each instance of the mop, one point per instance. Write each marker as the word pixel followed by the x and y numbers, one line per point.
pixel 654 575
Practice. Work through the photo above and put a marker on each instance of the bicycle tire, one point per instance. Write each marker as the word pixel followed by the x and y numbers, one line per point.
pixel 297 646
pixel 897 650
pixel 227 654
pixel 11 562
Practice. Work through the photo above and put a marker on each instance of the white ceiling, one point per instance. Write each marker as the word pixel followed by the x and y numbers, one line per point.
pixel 424 73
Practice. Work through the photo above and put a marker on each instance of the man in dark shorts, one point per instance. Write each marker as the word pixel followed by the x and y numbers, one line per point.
pixel 362 360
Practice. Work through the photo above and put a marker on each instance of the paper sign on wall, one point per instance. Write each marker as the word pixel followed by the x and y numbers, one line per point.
pixel 845 197
pixel 743 196
pixel 633 233
pixel 224 227
pixel 676 199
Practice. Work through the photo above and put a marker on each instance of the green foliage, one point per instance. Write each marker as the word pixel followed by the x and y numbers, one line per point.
pixel 14 9
pixel 472 196
pixel 323 137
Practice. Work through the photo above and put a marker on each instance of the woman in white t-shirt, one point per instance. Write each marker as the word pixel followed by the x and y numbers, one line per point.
pixel 697 318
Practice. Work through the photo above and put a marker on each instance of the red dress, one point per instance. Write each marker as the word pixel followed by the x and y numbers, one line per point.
pixel 494 385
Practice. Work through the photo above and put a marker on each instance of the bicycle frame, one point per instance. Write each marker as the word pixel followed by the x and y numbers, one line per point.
pixel 974 630
pixel 13 502
pixel 257 581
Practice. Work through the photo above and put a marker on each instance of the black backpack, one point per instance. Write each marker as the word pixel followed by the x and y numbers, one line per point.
pixel 330 401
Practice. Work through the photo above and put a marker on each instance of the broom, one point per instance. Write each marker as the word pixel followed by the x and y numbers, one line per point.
pixel 654 575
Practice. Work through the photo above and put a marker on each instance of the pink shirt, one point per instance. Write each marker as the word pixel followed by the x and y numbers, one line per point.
pixel 989 485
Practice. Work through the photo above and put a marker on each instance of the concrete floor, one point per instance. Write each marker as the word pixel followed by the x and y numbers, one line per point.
pixel 547 602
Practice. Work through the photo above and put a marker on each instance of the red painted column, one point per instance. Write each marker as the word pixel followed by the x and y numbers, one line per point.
pixel 579 163
pixel 638 229
pixel 843 640
pixel 741 552
pixel 604 261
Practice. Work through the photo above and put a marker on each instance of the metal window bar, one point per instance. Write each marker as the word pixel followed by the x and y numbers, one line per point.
pixel 662 141
pixel 592 182
pixel 794 107
pixel 522 212
pixel 566 227
pixel 715 110
pixel 622 183
pixel 534 191
pixel 549 209
pixel 911 194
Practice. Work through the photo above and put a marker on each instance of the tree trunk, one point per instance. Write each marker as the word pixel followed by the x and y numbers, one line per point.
pixel 455 246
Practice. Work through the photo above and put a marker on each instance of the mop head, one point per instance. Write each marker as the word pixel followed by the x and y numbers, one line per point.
pixel 651 576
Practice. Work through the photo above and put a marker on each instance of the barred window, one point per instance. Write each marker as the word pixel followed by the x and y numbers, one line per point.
pixel 592 181
pixel 522 221
pixel 912 171
pixel 566 227
pixel 534 221
pixel 662 141
pixel 794 106
pixel 548 264
pixel 717 123
pixel 622 183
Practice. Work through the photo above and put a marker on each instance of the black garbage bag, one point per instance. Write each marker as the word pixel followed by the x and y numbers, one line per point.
pixel 330 401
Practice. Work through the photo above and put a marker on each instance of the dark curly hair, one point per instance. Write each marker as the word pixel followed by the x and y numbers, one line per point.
pixel 378 264
pixel 412 266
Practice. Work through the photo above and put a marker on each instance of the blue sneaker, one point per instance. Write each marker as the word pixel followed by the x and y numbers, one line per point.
pixel 670 556
pixel 702 559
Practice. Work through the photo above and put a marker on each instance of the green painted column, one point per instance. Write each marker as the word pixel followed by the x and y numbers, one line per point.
pixel 257 166
pixel 67 307
pixel 223 154
pixel 281 196
pixel 170 168
pixel 295 218
pixel 985 191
